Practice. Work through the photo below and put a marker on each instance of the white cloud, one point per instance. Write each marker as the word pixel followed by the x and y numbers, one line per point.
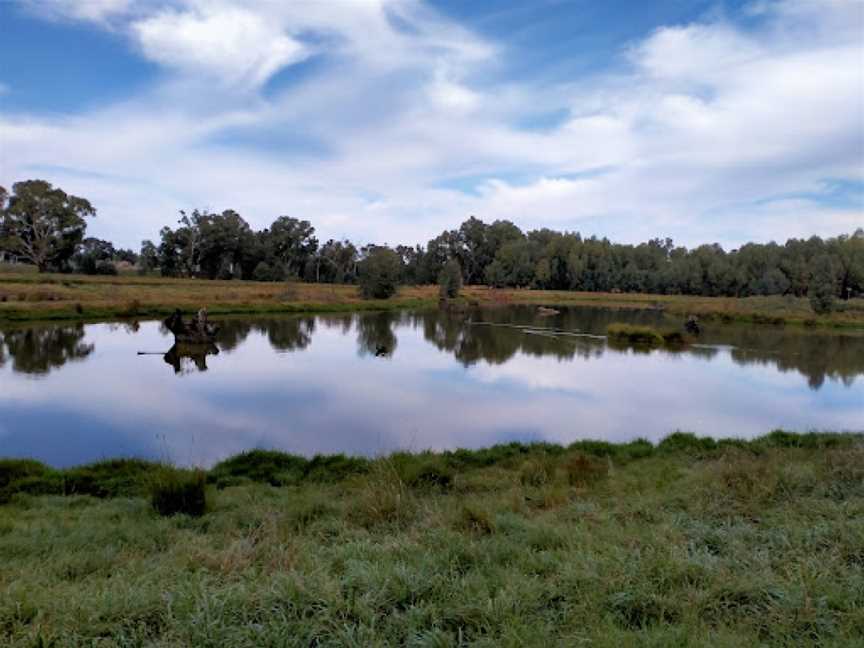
pixel 98 11
pixel 231 44
pixel 702 138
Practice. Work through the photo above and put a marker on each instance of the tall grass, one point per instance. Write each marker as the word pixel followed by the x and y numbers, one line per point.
pixel 689 542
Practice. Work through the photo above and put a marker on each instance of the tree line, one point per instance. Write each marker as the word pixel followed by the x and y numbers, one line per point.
pixel 43 225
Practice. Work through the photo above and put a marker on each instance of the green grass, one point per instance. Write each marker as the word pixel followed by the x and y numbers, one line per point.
pixel 643 336
pixel 690 542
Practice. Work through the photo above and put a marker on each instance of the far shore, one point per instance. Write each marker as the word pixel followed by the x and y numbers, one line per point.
pixel 26 296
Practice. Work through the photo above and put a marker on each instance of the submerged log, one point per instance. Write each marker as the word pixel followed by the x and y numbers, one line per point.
pixel 196 331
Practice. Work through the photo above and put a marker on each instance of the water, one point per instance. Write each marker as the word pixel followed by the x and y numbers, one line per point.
pixel 373 383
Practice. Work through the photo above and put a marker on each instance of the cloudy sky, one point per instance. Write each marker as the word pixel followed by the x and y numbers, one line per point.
pixel 391 120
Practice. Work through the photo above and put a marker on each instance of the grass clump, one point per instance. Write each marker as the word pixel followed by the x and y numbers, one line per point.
pixel 634 334
pixel 174 491
pixel 582 470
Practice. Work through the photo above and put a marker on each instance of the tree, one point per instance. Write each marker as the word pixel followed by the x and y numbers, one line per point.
pixel 42 224
pixel 291 243
pixel 823 285
pixel 148 259
pixel 379 273
pixel 496 277
pixel 262 272
pixel 95 256
pixel 450 280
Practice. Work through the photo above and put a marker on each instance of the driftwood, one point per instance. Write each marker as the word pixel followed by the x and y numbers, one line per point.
pixel 196 331
pixel 545 311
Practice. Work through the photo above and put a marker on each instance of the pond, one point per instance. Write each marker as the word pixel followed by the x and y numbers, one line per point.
pixel 377 382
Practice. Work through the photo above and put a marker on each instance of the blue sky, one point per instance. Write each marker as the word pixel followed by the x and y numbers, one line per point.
pixel 391 120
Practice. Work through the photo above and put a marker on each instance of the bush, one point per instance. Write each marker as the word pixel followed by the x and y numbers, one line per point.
pixel 450 280
pixel 379 273
pixel 175 491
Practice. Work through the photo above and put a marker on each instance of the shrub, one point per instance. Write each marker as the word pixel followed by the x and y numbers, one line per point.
pixel 379 273
pixel 175 491
pixel 450 280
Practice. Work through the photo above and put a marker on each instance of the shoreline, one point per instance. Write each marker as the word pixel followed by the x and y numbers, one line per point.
pixel 33 298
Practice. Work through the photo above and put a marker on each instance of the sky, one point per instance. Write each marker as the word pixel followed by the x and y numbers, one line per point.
pixel 388 121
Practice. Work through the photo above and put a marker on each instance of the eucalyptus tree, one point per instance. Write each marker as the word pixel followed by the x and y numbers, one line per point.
pixel 42 224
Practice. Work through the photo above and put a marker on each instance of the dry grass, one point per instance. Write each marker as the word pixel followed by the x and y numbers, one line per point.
pixel 28 295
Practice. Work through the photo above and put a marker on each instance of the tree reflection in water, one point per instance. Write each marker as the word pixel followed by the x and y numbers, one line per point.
pixel 39 349
pixel 492 335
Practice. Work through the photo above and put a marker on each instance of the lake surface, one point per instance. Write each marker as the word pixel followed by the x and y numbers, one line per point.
pixel 377 382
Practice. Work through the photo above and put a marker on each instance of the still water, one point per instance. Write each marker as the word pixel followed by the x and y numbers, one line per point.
pixel 373 383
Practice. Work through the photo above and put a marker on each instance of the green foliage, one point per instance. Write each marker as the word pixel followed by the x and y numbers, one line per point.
pixel 263 272
pixel 450 280
pixel 174 491
pixel 379 273
pixel 42 224
pixel 823 285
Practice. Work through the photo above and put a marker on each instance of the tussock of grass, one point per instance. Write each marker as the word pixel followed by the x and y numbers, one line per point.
pixel 643 336
pixel 174 491
pixel 690 542
pixel 634 334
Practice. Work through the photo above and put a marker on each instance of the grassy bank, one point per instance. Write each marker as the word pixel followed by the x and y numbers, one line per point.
pixel 31 296
pixel 689 542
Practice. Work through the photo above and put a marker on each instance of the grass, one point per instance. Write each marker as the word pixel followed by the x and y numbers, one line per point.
pixel 27 295
pixel 690 542
pixel 643 336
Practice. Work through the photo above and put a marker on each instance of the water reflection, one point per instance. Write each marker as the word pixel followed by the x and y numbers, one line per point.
pixel 186 358
pixel 317 384
pixel 493 336
pixel 38 350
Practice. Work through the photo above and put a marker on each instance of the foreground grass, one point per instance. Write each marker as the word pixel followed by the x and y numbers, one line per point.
pixel 30 296
pixel 687 543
